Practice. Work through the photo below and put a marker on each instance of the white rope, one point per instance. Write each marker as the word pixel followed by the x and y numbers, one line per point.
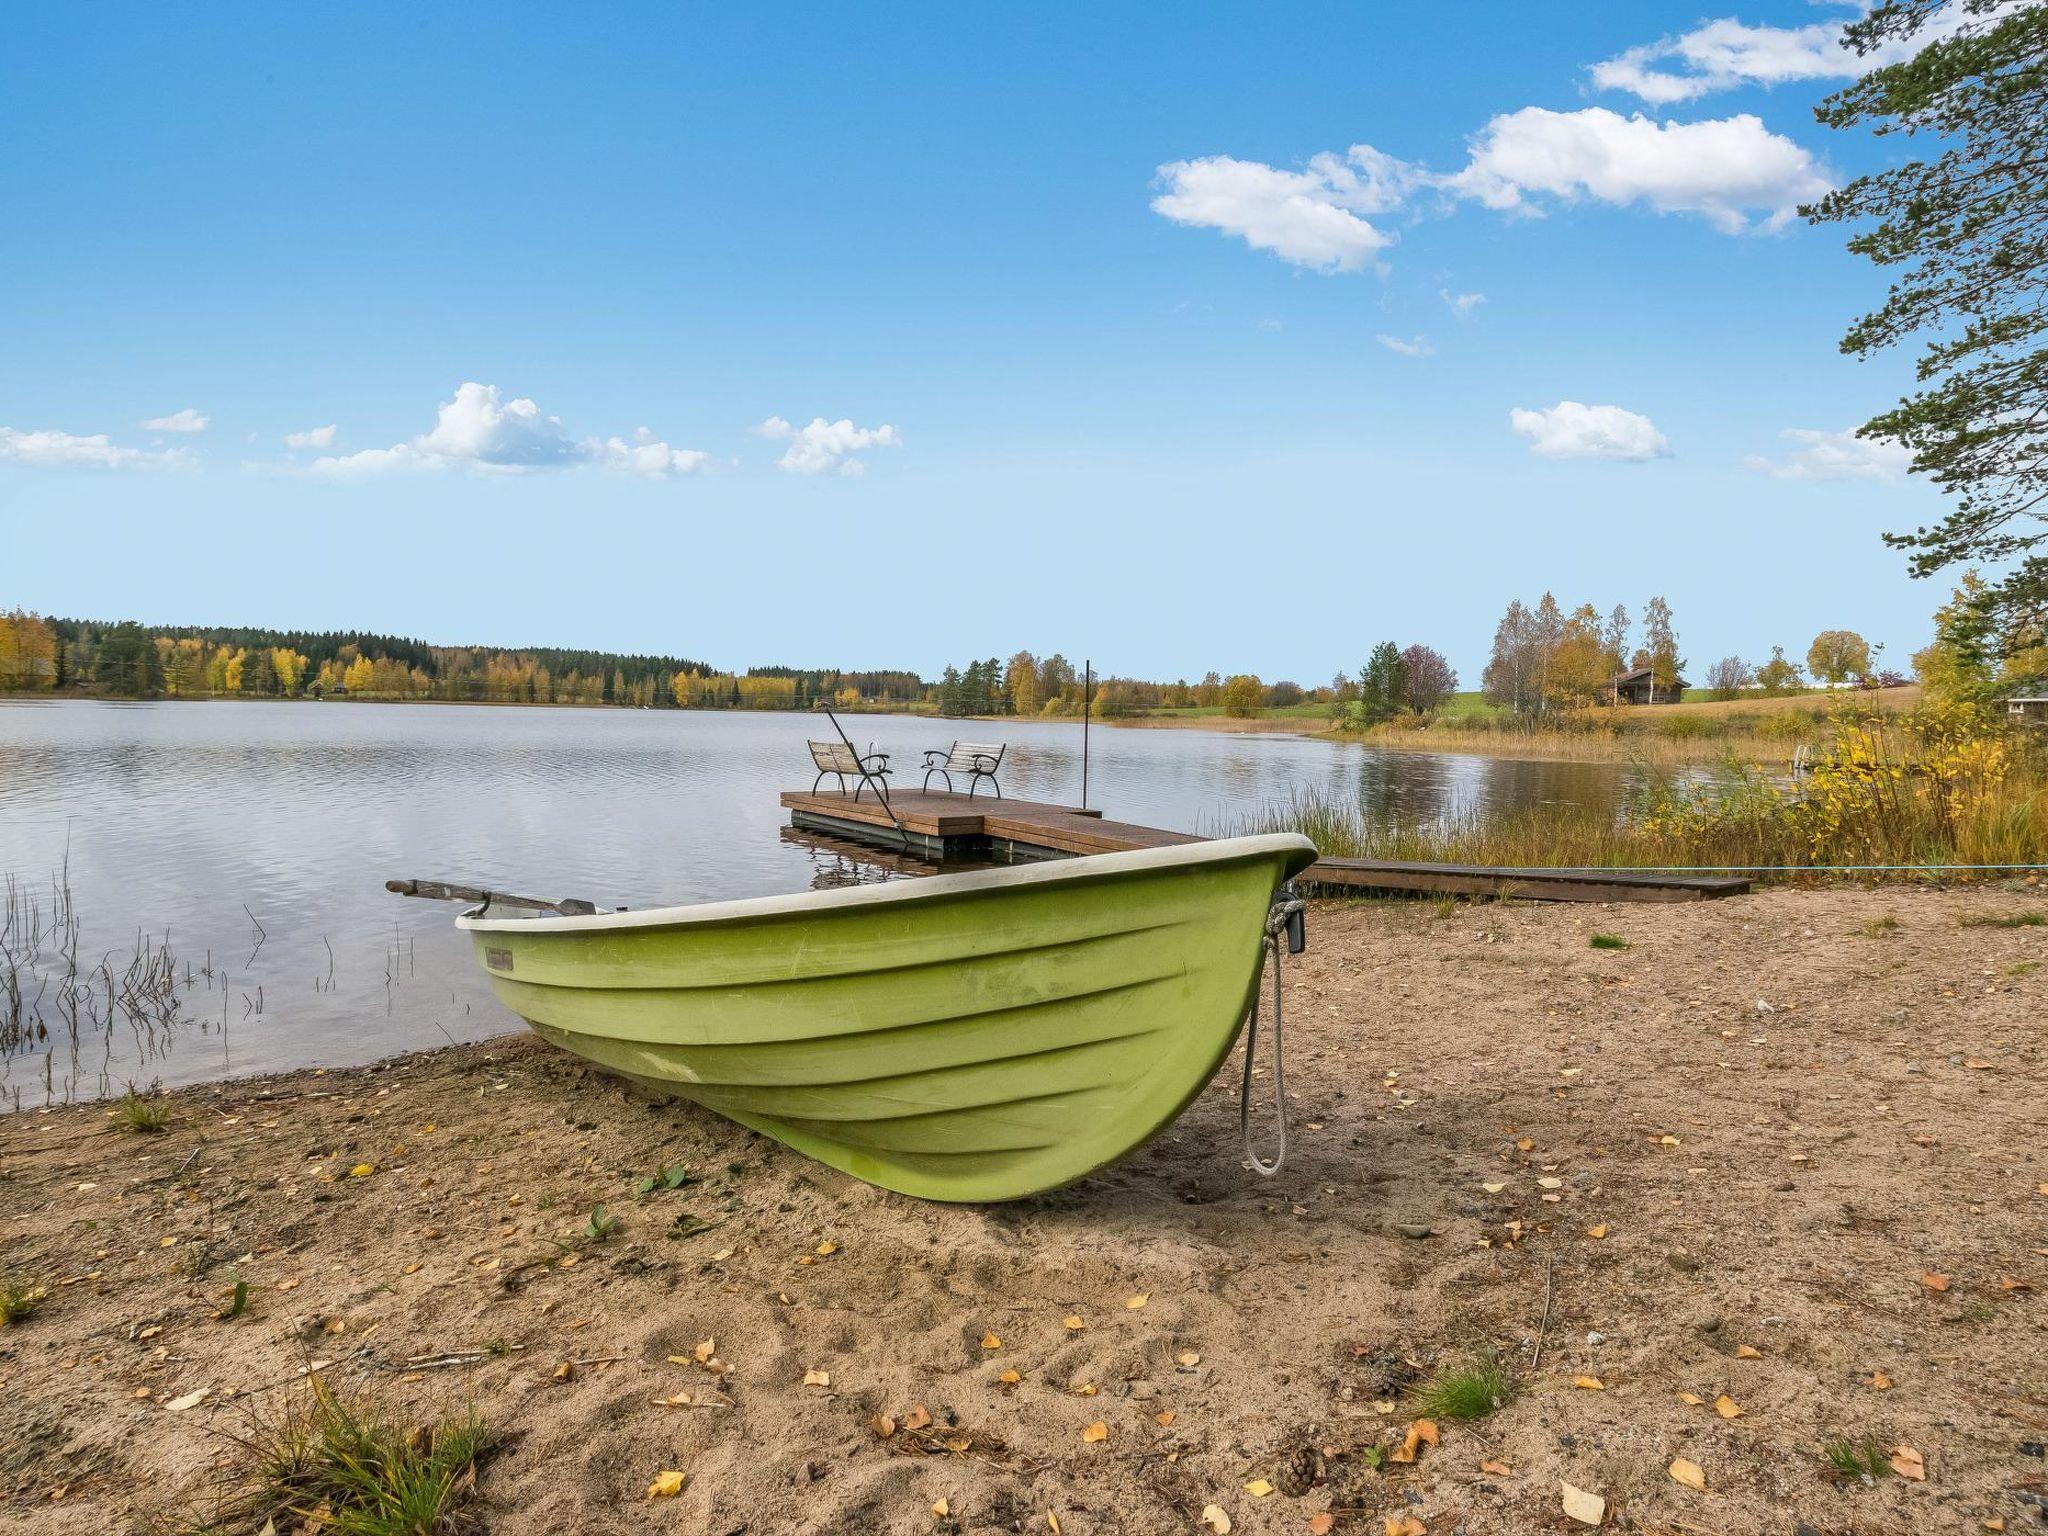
pixel 1278 915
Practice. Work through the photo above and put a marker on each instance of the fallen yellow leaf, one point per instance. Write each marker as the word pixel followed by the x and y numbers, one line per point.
pixel 1052 1523
pixel 705 1349
pixel 1258 1487
pixel 817 1378
pixel 674 1400
pixel 1403 1525
pixel 1586 1508
pixel 666 1485
pixel 1009 1378
pixel 882 1425
pixel 1689 1473
pixel 1189 1358
pixel 941 1508
pixel 1748 1352
pixel 990 1341
pixel 826 1249
pixel 1727 1407
pixel 1496 1468
pixel 1096 1431
pixel 1421 1432
pixel 1691 1400
pixel 1165 1420
pixel 1880 1381
pixel 1934 1282
pixel 1072 1322
pixel 1589 1383
pixel 917 1418
pixel 361 1171
pixel 1597 1231
pixel 1909 1463
pixel 1321 1523
pixel 1132 1303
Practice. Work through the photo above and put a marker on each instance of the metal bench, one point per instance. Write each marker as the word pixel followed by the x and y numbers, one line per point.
pixel 977 759
pixel 837 758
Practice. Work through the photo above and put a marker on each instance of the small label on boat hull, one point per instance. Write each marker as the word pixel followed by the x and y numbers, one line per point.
pixel 498 959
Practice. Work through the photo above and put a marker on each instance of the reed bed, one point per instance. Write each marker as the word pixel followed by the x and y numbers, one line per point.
pixel 1946 786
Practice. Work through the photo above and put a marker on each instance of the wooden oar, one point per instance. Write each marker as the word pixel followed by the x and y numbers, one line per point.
pixel 440 890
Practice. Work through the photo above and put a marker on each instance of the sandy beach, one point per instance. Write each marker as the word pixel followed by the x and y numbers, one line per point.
pixel 1768 1178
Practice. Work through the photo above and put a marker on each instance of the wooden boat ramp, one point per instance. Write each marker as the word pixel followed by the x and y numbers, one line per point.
pixel 942 826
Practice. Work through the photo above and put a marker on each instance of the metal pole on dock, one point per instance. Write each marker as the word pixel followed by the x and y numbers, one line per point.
pixel 1087 699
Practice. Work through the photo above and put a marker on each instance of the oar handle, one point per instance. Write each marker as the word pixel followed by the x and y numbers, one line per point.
pixel 441 890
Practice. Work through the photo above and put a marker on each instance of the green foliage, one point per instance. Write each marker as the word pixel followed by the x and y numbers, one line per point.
pixel 20 1295
pixel 354 1469
pixel 2030 919
pixel 667 1176
pixel 239 1303
pixel 1382 683
pixel 1779 676
pixel 602 1226
pixel 1855 1459
pixel 1969 228
pixel 1609 941
pixel 139 1114
pixel 1470 1390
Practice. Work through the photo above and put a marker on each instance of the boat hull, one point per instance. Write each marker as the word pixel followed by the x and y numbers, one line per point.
pixel 965 1037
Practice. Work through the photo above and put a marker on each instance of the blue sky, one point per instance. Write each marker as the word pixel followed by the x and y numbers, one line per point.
pixel 1008 401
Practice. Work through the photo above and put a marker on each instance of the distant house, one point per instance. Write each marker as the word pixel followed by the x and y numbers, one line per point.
pixel 1641 687
pixel 2030 707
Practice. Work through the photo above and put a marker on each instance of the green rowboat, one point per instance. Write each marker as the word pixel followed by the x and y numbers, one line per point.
pixel 963 1037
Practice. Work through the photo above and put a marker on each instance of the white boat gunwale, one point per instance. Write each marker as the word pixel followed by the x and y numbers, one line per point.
pixel 930 888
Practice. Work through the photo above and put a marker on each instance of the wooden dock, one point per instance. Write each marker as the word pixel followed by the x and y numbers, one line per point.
pixel 939 826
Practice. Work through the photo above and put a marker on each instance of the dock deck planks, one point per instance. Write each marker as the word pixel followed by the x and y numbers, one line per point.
pixel 939 824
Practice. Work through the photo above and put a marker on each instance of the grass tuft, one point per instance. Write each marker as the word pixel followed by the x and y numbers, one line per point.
pixel 1853 1458
pixel 140 1114
pixel 1470 1390
pixel 1609 941
pixel 19 1298
pixel 2030 919
pixel 1878 927
pixel 354 1469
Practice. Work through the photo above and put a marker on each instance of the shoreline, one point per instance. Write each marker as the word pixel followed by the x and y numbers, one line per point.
pixel 1494 1173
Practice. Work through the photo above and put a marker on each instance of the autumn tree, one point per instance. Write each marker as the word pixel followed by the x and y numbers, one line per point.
pixel 1837 655
pixel 1510 678
pixel 1779 675
pixel 1962 661
pixel 1660 649
pixel 1020 683
pixel 1727 677
pixel 1430 679
pixel 1968 227
pixel 28 652
pixel 1243 696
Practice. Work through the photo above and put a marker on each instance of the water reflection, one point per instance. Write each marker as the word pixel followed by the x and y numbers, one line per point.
pixel 203 824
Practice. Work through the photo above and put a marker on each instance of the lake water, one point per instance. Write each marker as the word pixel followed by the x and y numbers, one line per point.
pixel 240 849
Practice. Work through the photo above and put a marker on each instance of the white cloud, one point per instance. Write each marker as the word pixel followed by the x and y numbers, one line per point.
pixel 1722 169
pixel 1421 346
pixel 1731 171
pixel 187 420
pixel 1569 430
pixel 1310 218
pixel 823 446
pixel 63 450
pixel 645 455
pixel 1461 303
pixel 479 431
pixel 1718 55
pixel 1723 54
pixel 313 437
pixel 1819 455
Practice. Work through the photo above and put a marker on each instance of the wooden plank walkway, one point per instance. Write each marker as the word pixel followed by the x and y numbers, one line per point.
pixel 940 825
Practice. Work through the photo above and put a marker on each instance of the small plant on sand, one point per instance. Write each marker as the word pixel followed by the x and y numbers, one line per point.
pixel 353 1469
pixel 19 1298
pixel 1878 927
pixel 1609 941
pixel 1855 1459
pixel 139 1114
pixel 665 1176
pixel 2031 919
pixel 1443 906
pixel 602 1227
pixel 2023 968
pixel 1468 1390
